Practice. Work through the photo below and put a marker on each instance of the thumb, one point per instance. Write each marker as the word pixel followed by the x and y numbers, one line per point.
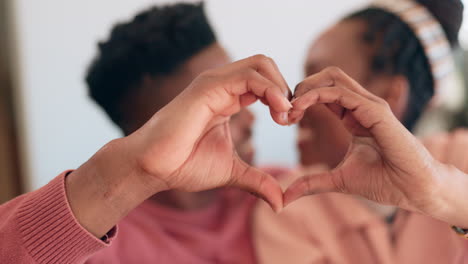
pixel 310 185
pixel 259 183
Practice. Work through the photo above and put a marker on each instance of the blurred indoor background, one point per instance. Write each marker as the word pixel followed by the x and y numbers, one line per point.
pixel 47 122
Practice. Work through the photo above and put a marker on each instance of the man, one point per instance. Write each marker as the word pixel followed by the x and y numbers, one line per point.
pixel 143 65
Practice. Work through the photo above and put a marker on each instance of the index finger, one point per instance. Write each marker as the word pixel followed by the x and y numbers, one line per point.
pixel 266 67
pixel 329 77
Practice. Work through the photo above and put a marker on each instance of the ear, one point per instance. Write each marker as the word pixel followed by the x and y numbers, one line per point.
pixel 397 95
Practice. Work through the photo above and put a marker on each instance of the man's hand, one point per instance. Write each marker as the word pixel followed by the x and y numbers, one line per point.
pixel 186 146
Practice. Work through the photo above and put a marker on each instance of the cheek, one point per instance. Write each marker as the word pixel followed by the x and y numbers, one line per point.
pixel 320 120
pixel 328 141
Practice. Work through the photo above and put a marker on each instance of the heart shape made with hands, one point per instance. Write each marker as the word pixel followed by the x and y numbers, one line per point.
pixel 385 163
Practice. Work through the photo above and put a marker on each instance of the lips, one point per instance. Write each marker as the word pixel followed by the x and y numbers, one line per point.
pixel 305 136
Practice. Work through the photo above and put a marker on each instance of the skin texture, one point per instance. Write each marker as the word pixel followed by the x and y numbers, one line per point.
pixel 129 170
pixel 384 163
pixel 325 139
pixel 322 137
pixel 156 92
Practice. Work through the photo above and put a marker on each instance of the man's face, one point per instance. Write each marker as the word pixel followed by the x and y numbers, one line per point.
pixel 241 131
pixel 159 91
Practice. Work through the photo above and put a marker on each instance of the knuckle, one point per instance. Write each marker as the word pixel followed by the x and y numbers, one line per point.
pixel 334 72
pixel 271 61
pixel 248 74
pixel 300 89
pixel 262 59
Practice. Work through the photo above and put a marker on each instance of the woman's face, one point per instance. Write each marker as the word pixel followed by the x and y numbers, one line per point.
pixel 322 138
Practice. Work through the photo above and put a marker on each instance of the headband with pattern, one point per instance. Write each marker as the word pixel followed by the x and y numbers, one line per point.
pixel 429 33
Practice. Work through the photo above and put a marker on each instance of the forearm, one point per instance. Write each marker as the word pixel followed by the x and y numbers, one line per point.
pixel 107 187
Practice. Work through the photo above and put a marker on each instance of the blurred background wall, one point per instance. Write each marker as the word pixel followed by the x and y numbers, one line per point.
pixel 10 180
pixel 55 41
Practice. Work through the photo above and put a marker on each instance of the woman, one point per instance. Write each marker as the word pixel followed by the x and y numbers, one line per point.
pixel 382 48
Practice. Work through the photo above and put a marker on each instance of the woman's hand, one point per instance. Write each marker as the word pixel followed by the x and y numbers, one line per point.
pixel 188 146
pixel 385 162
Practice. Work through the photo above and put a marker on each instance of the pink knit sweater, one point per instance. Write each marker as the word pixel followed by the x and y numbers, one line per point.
pixel 219 233
pixel 39 227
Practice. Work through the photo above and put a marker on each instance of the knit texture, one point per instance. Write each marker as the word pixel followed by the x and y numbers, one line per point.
pixel 40 227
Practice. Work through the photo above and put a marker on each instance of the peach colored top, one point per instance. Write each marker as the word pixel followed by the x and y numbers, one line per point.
pixel 336 228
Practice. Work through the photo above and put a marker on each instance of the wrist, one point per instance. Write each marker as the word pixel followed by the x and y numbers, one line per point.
pixel 106 188
pixel 452 196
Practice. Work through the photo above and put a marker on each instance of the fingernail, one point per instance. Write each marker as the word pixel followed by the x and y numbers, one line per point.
pixel 286 101
pixel 284 117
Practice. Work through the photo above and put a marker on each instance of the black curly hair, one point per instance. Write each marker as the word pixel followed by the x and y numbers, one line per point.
pixel 155 42
pixel 400 52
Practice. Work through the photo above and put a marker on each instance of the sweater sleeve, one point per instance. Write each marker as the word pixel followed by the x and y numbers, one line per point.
pixel 39 227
